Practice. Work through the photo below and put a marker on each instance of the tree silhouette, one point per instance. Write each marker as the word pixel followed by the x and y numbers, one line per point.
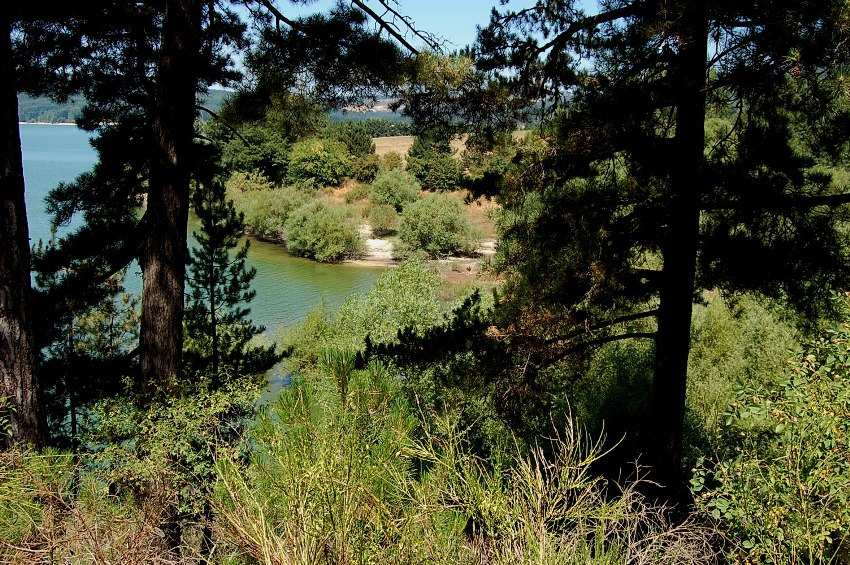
pixel 688 145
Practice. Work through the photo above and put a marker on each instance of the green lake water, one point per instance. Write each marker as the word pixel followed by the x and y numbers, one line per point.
pixel 287 287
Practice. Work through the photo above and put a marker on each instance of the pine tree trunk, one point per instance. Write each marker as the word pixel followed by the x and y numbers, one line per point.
pixel 164 254
pixel 680 253
pixel 18 380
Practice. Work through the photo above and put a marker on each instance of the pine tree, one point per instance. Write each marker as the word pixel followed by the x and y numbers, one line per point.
pixel 631 205
pixel 218 330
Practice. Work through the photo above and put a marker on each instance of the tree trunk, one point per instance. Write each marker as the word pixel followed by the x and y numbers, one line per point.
pixel 680 253
pixel 18 379
pixel 164 254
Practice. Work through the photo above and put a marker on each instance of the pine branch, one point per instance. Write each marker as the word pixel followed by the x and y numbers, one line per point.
pixel 788 203
pixel 225 124
pixel 601 325
pixel 601 341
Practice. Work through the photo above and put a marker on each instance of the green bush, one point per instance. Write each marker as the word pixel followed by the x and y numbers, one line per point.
pixel 265 151
pixel 394 188
pixel 355 136
pixel 384 220
pixel 365 167
pixel 240 182
pixel 266 211
pixel 325 161
pixel 358 192
pixel 344 472
pixel 322 232
pixel 438 226
pixel 781 482
pixel 392 160
pixel 436 171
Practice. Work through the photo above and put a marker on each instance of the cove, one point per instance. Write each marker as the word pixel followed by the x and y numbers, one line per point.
pixel 287 287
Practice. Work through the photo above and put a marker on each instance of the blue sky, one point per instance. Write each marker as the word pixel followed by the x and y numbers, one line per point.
pixel 455 20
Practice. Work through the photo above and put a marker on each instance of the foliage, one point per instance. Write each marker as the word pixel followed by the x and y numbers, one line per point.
pixel 355 136
pixel 384 220
pixel 266 211
pixel 438 226
pixel 323 160
pixel 357 192
pixel 436 170
pixel 782 480
pixel 629 177
pixel 392 160
pixel 348 474
pixel 218 330
pixel 322 232
pixel 734 345
pixel 395 188
pixel 365 167
pixel 260 149
pixel 402 298
pixel 253 181
pixel 383 127
pixel 6 409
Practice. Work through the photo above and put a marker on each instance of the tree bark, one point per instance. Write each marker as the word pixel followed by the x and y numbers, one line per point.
pixel 164 254
pixel 18 377
pixel 680 252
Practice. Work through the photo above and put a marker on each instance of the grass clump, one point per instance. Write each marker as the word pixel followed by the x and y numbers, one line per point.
pixel 349 474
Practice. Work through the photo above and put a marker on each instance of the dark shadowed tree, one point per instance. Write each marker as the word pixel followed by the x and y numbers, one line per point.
pixel 217 325
pixel 18 381
pixel 630 205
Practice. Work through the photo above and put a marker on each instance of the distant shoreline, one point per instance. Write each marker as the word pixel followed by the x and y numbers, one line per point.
pixel 46 124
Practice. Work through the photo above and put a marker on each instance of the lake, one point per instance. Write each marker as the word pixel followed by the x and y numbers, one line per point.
pixel 287 287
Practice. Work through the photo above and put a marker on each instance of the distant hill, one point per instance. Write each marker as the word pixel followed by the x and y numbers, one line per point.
pixel 39 109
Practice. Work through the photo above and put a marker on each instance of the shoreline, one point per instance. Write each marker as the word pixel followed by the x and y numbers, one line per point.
pixel 46 124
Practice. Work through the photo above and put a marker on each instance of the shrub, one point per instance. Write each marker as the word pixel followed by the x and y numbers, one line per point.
pixel 253 181
pixel 266 211
pixel 383 219
pixel 781 484
pixel 436 171
pixel 394 188
pixel 437 226
pixel 322 232
pixel 325 161
pixel 343 472
pixel 392 160
pixel 357 192
pixel 355 136
pixel 366 167
pixel 266 152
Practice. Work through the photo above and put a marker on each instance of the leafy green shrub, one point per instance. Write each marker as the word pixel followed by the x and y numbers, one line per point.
pixel 436 170
pixel 322 232
pixel 781 483
pixel 392 160
pixel 266 152
pixel 438 226
pixel 241 182
pixel 383 219
pixel 365 167
pixel 358 192
pixel 343 472
pixel 733 346
pixel 266 211
pixel 395 188
pixel 325 161
pixel 355 136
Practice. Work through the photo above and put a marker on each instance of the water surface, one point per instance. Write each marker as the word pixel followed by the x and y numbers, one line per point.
pixel 287 287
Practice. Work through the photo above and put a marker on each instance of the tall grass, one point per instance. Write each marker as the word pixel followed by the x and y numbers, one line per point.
pixel 354 477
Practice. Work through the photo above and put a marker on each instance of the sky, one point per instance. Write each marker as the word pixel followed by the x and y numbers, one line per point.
pixel 454 20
